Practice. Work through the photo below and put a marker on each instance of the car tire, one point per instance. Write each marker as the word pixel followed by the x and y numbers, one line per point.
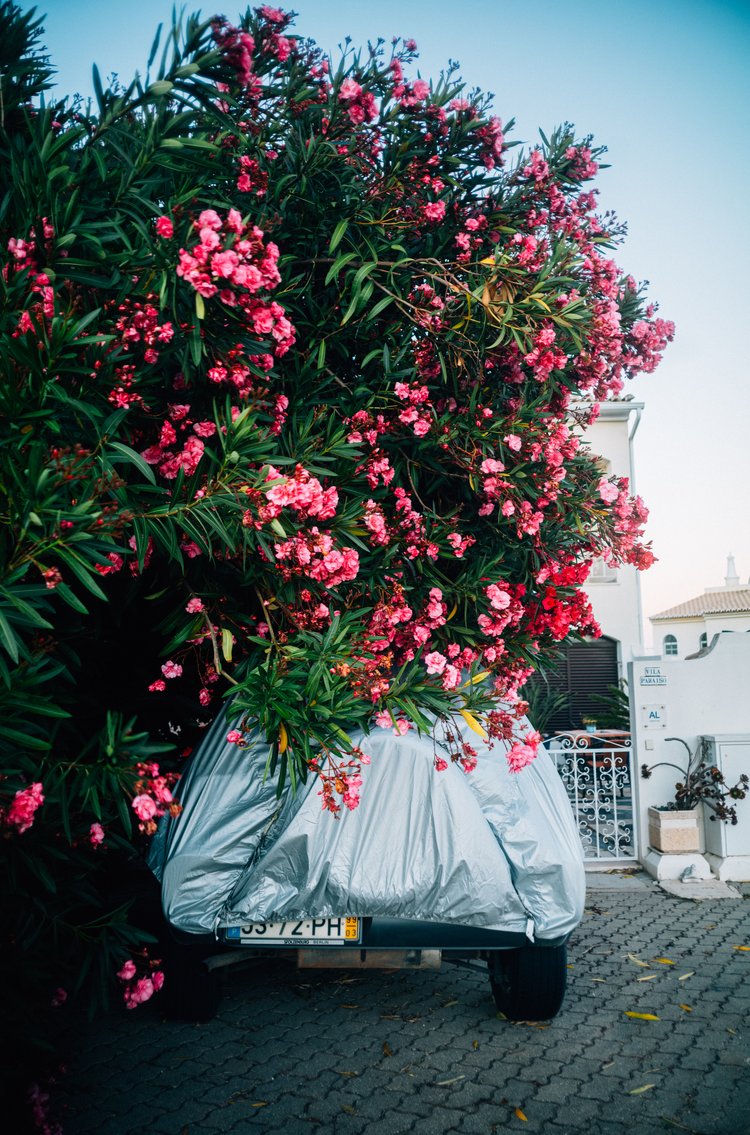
pixel 529 984
pixel 192 991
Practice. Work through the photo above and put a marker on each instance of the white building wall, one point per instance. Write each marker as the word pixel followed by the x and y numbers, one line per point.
pixel 688 631
pixel 686 698
pixel 615 595
pixel 726 622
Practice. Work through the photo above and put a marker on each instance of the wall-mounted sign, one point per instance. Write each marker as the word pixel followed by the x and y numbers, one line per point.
pixel 654 716
pixel 652 676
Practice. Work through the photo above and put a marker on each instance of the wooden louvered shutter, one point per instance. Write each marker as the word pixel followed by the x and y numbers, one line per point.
pixel 592 669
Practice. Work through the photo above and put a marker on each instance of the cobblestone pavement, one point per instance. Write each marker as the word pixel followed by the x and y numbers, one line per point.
pixel 330 1052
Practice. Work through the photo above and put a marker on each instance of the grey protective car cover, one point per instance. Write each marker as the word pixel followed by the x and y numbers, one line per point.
pixel 489 848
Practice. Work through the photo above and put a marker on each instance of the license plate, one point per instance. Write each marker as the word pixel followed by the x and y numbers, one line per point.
pixel 295 933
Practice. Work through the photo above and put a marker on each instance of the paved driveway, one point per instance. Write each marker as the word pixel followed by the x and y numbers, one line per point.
pixel 328 1052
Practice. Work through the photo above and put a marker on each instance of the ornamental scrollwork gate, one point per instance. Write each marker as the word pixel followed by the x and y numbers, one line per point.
pixel 596 769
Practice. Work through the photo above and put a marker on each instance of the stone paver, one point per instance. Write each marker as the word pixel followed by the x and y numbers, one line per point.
pixel 425 1053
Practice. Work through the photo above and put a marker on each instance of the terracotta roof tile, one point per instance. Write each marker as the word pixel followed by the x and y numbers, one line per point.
pixel 710 603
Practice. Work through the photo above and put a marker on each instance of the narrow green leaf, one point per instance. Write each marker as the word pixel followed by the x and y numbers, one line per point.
pixel 81 571
pixel 8 638
pixel 70 598
pixel 25 740
pixel 376 309
pixel 160 88
pixel 133 458
pixel 338 264
pixel 338 234
pixel 97 84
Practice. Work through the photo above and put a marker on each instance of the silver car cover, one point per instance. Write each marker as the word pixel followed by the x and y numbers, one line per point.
pixel 489 848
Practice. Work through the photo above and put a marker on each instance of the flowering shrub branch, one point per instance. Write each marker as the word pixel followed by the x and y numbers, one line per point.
pixel 296 367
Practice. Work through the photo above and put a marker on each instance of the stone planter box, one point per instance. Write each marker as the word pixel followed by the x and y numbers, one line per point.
pixel 673 832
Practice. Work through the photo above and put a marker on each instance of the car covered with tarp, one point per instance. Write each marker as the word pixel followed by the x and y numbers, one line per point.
pixel 483 868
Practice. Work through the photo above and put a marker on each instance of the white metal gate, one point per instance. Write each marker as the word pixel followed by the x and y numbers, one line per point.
pixel 596 769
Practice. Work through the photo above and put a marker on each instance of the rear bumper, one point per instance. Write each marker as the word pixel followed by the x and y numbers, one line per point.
pixel 386 943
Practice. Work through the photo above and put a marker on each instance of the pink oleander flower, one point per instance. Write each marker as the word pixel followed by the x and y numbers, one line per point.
pixel 607 491
pixel 194 606
pixel 519 755
pixel 142 990
pixel 59 998
pixel 22 810
pixel 434 211
pixel 128 971
pixel 116 563
pixel 144 807
pixel 96 835
pixel 498 598
pixel 451 677
pixel 164 227
pixel 349 89
pixel 158 687
pixel 52 576
pixel 435 662
pixel 171 669
pixel 235 737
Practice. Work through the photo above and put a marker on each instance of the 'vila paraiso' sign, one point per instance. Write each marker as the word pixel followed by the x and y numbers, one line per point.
pixel 652 676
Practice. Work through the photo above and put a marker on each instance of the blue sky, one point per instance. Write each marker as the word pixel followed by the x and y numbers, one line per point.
pixel 665 84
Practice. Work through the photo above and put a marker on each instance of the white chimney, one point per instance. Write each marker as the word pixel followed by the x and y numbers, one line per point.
pixel 731 579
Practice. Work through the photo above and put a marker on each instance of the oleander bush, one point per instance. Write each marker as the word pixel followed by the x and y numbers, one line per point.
pixel 296 360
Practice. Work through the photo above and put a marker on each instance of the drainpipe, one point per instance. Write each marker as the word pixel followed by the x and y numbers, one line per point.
pixel 639 602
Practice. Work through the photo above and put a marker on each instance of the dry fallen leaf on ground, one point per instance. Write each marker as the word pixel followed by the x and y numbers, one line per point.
pixel 686 1008
pixel 638 961
pixel 520 1115
pixel 642 1016
pixel 649 977
pixel 637 1091
pixel 741 947
pixel 387 1050
pixel 664 961
pixel 445 1083
pixel 260 1103
pixel 685 976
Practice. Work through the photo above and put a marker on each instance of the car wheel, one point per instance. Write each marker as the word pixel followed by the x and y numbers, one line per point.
pixel 192 992
pixel 529 984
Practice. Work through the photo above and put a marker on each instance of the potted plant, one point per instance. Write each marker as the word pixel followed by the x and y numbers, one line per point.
pixel 673 827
